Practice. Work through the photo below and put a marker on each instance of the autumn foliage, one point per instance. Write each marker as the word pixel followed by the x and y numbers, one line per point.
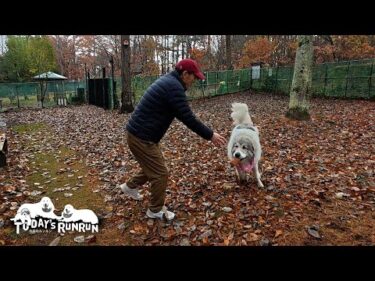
pixel 259 50
pixel 157 54
pixel 200 57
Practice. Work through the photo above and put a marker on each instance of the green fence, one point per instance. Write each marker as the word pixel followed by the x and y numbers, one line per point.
pixel 216 83
pixel 349 79
pixel 28 94
pixel 139 86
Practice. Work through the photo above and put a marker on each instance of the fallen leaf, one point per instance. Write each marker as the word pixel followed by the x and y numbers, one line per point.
pixel 278 233
pixel 252 237
pixel 313 232
pixel 79 239
pixel 55 241
pixel 90 239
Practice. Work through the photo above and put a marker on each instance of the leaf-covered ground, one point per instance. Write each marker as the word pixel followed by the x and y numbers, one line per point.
pixel 318 176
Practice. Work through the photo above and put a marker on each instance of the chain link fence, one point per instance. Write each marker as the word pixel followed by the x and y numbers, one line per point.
pixel 347 79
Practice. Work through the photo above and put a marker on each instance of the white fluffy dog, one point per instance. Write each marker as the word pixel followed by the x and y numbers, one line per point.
pixel 70 214
pixel 23 215
pixel 244 149
pixel 44 208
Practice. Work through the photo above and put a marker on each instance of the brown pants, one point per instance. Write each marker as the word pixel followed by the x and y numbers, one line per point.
pixel 151 160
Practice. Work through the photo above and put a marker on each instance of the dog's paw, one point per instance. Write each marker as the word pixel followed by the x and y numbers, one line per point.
pixel 242 176
pixel 241 181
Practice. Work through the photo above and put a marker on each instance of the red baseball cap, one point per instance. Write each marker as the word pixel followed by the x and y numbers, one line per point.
pixel 190 66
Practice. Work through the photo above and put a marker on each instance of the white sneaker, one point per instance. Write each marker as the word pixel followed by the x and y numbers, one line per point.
pixel 133 193
pixel 162 213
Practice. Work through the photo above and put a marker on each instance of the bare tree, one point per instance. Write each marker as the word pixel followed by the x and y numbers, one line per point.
pixel 126 97
pixel 220 52
pixel 228 50
pixel 183 45
pixel 328 38
pixel 302 78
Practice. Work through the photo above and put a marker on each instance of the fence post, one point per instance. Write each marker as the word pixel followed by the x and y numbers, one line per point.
pixel 215 83
pixel 251 78
pixel 277 73
pixel 325 79
pixel 208 85
pixel 370 80
pixel 347 78
pixel 227 81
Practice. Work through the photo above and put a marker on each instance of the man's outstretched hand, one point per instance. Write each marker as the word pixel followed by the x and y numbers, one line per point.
pixel 218 140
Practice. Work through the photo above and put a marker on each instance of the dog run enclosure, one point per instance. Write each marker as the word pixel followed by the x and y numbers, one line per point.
pixel 346 79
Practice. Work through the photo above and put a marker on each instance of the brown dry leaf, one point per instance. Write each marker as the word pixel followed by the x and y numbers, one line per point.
pixel 138 228
pixel 278 233
pixel 252 237
pixel 298 157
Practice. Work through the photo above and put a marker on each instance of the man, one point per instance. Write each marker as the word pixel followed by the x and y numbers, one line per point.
pixel 164 100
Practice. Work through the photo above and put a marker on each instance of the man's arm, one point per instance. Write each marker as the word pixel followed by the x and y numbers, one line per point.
pixel 182 111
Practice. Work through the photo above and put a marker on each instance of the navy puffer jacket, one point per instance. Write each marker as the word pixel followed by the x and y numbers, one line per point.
pixel 164 100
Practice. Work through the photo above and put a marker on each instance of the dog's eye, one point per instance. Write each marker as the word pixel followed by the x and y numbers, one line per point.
pixel 236 146
pixel 244 147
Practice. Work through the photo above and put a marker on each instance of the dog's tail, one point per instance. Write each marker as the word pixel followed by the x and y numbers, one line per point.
pixel 240 114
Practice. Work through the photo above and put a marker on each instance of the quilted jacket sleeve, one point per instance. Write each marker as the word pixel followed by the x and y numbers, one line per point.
pixel 180 106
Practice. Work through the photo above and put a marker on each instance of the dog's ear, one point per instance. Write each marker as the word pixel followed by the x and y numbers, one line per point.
pixel 251 147
pixel 252 116
pixel 25 211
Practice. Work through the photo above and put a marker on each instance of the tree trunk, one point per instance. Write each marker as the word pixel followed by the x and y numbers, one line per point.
pixel 188 46
pixel 183 46
pixel 172 49
pixel 302 79
pixel 75 59
pixel 162 56
pixel 330 40
pixel 228 52
pixel 167 53
pixel 126 99
pixel 177 46
pixel 41 93
pixel 209 44
pixel 220 53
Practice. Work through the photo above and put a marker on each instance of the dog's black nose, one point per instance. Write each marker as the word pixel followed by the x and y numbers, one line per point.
pixel 237 155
